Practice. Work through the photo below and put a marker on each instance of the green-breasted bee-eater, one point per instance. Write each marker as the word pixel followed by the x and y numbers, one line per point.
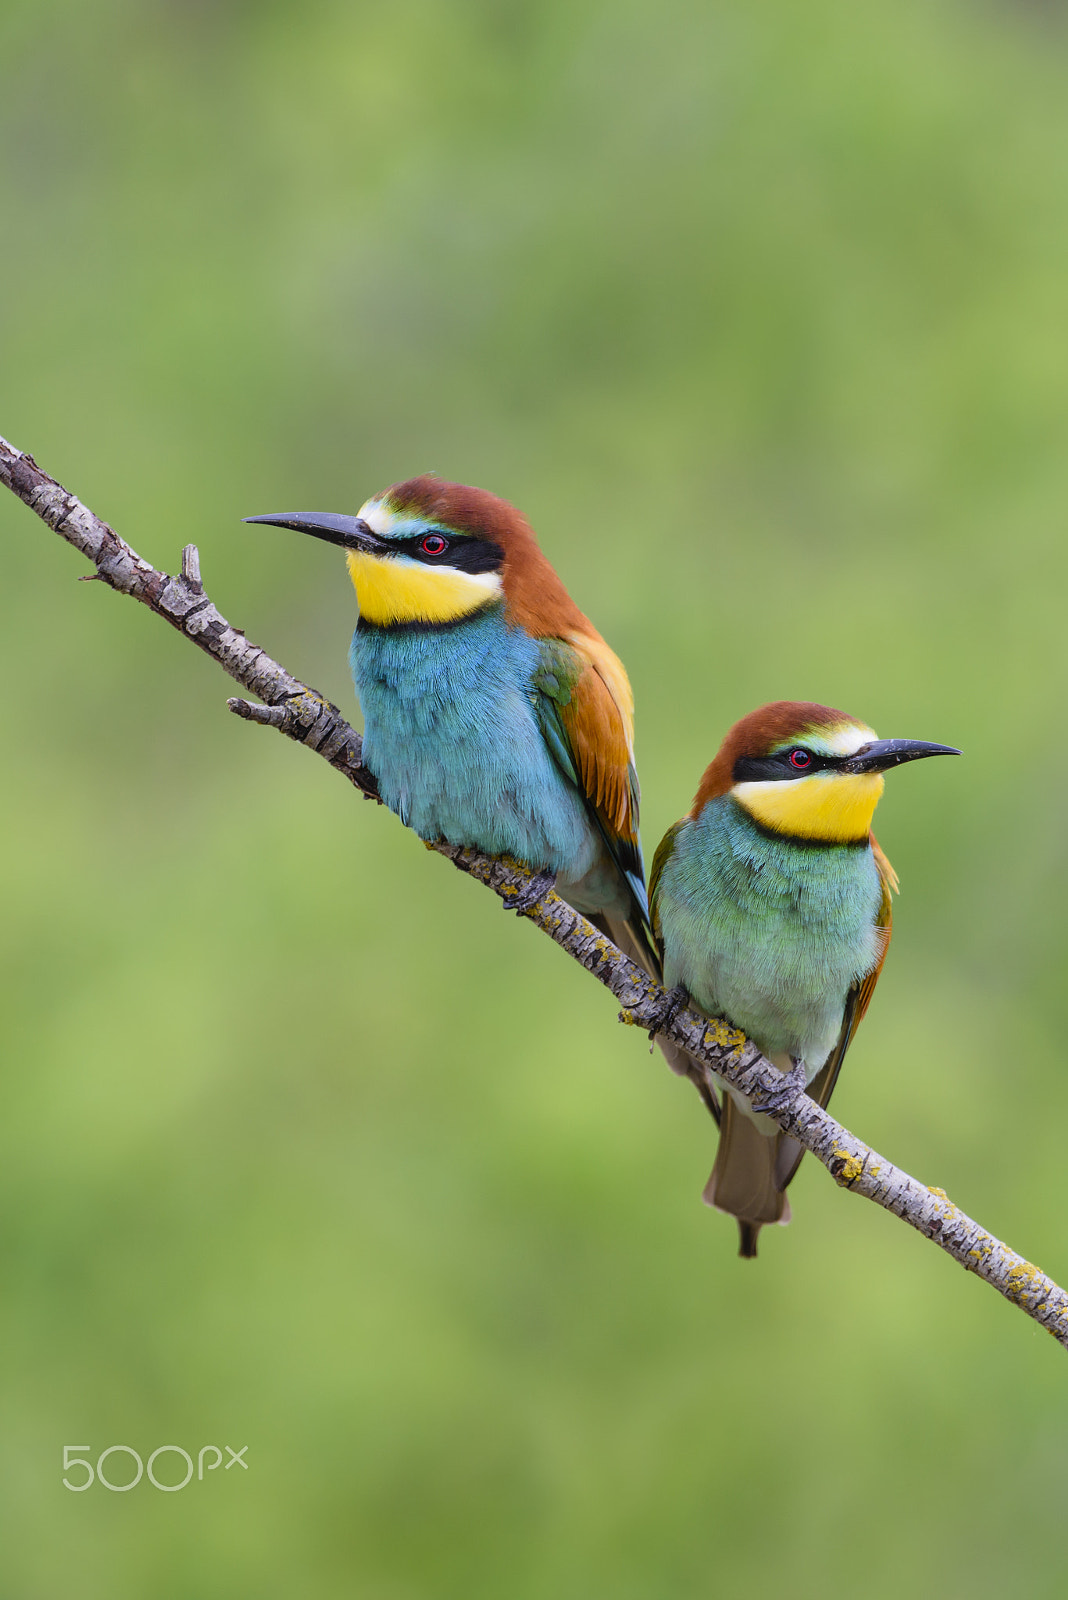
pixel 771 906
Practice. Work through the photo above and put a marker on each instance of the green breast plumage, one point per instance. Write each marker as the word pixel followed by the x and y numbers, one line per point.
pixel 765 931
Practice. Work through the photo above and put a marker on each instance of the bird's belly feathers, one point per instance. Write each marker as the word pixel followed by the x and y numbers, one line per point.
pixel 769 934
pixel 451 738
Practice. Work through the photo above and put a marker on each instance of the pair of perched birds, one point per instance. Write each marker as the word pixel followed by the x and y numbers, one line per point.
pixel 496 716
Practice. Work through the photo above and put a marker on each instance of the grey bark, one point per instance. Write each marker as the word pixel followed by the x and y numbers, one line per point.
pixel 296 710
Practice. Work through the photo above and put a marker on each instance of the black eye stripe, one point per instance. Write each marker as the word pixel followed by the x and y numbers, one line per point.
pixel 460 550
pixel 783 765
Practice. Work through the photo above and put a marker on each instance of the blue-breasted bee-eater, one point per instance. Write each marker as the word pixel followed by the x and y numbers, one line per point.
pixel 771 906
pixel 495 715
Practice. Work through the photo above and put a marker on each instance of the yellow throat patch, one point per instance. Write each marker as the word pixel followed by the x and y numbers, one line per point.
pixel 834 807
pixel 392 589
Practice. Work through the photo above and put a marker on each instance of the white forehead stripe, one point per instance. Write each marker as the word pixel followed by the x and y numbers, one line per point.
pixel 847 741
pixel 844 740
pixel 389 524
pixel 377 516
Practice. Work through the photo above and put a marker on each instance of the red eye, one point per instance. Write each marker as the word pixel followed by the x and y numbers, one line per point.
pixel 434 545
pixel 800 759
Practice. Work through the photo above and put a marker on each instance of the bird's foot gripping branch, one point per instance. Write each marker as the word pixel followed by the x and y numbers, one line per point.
pixel 791 1084
pixel 715 1050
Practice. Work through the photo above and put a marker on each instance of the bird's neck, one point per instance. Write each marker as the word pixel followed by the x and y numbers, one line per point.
pixel 409 668
pixel 731 857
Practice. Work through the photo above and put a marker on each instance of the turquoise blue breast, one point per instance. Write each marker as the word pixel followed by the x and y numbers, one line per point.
pixel 768 933
pixel 451 736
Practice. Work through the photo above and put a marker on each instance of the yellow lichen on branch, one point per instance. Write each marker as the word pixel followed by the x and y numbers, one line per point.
pixel 847 1168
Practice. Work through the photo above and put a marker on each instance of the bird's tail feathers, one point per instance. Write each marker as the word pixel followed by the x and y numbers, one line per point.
pixel 743 1181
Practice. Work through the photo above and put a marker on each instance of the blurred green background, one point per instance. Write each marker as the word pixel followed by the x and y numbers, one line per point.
pixel 758 312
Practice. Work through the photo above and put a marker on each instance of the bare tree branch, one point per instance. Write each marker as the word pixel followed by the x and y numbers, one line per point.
pixel 296 710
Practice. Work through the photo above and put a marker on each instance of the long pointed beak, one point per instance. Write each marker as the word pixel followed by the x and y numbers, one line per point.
pixel 882 754
pixel 351 533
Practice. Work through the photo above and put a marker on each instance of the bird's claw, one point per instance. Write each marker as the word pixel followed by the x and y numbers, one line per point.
pixel 531 893
pixel 674 1001
pixel 793 1083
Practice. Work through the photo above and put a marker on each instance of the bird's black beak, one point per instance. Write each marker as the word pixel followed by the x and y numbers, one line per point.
pixel 351 533
pixel 882 754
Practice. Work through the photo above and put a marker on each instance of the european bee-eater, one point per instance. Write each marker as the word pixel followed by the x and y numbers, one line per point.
pixel 495 715
pixel 771 906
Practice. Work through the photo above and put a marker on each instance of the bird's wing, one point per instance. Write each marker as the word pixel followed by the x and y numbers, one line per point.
pixel 857 1001
pixel 583 703
pixel 679 1060
pixel 660 860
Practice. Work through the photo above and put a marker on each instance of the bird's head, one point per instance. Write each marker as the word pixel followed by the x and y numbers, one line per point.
pixel 429 552
pixel 807 771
